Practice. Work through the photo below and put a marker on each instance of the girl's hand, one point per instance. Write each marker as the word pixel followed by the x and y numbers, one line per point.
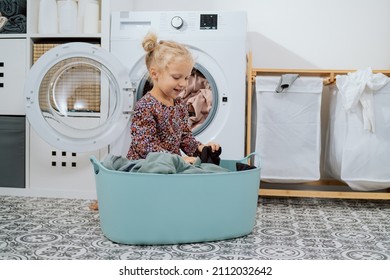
pixel 214 146
pixel 190 160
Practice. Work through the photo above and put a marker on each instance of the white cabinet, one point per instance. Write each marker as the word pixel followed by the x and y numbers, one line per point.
pixel 55 172
pixel 49 171
pixel 13 65
pixel 17 53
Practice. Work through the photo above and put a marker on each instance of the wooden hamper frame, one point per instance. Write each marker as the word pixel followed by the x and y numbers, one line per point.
pixel 321 188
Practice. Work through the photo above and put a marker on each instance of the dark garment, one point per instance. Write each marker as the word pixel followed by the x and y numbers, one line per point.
pixel 242 166
pixel 208 156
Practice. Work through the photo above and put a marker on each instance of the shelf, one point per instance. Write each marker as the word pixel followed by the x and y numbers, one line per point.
pixel 55 37
pixel 64 35
pixel 13 36
pixel 66 38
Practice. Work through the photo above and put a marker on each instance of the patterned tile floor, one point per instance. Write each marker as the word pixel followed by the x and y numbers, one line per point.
pixel 286 228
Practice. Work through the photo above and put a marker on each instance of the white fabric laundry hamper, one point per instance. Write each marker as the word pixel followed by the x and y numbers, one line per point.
pixel 288 129
pixel 355 153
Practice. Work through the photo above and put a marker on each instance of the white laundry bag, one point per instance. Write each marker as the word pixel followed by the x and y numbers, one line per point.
pixel 288 129
pixel 335 138
pixel 358 142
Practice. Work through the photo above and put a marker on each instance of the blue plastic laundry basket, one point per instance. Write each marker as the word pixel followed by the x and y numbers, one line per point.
pixel 138 208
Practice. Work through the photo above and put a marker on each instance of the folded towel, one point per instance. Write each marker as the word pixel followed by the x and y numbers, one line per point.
pixel 15 25
pixel 13 16
pixel 13 7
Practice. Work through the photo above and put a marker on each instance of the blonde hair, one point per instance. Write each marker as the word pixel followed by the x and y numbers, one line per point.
pixel 162 53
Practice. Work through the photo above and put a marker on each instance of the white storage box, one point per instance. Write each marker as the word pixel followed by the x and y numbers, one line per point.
pixel 288 130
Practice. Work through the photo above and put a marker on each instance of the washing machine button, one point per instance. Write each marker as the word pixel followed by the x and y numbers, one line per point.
pixel 177 22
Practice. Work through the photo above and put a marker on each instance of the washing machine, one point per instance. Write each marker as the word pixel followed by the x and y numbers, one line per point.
pixel 79 98
pixel 217 41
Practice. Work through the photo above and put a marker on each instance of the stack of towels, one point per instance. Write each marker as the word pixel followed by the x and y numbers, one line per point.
pixel 13 16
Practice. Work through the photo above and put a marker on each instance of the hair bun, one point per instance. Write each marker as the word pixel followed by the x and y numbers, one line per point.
pixel 150 42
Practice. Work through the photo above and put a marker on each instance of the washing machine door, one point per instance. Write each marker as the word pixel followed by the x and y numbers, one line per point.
pixel 78 97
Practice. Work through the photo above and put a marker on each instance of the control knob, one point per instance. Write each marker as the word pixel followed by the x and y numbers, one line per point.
pixel 177 22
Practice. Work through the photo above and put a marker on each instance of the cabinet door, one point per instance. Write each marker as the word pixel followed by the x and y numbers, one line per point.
pixel 12 151
pixel 13 65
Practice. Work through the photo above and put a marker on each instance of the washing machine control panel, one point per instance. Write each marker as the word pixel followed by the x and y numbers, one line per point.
pixel 177 22
pixel 208 21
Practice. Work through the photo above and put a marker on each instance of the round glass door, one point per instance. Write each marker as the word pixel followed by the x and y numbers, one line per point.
pixel 78 98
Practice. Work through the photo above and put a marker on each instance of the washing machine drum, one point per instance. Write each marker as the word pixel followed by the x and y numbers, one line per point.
pixel 78 97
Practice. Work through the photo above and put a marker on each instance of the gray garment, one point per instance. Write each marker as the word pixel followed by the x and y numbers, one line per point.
pixel 286 80
pixel 162 163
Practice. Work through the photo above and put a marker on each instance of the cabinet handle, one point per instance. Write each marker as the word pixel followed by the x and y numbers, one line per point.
pixel 1 74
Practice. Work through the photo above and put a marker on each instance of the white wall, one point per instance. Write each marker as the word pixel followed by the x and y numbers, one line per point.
pixel 323 34
pixel 121 5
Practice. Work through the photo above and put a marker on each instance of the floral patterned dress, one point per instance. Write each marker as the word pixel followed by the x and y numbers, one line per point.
pixel 157 127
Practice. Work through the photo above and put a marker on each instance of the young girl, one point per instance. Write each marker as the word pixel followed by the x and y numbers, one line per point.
pixel 160 122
